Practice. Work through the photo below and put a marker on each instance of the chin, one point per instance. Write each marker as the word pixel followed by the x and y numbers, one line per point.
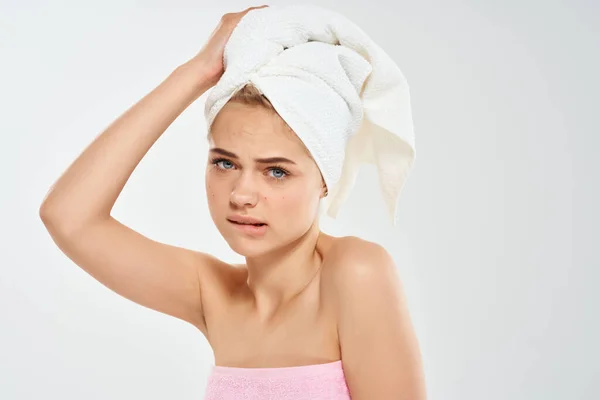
pixel 247 245
pixel 249 250
pixel 250 247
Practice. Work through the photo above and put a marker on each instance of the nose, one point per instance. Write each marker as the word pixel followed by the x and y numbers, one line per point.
pixel 244 192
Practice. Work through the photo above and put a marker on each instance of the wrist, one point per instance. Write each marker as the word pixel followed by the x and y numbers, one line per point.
pixel 196 72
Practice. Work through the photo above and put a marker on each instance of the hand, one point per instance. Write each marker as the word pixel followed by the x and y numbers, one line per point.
pixel 210 58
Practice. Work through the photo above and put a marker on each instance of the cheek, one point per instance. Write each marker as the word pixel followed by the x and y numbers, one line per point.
pixel 291 203
pixel 209 188
pixel 214 181
pixel 214 188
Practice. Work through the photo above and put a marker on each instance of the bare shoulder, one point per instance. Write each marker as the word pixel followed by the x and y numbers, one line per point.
pixel 351 257
pixel 376 338
pixel 358 267
pixel 217 280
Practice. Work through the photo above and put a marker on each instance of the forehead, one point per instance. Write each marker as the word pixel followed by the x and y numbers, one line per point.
pixel 253 128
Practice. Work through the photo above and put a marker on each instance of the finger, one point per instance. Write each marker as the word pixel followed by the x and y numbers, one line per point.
pixel 254 8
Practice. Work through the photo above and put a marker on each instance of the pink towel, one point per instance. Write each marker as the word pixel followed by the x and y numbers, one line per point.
pixel 307 382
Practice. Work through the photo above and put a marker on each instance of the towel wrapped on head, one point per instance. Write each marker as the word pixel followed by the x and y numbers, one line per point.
pixel 340 93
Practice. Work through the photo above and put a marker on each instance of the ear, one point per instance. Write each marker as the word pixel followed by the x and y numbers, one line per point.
pixel 325 191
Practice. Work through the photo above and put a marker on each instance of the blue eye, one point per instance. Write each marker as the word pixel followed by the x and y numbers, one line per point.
pixel 278 173
pixel 225 164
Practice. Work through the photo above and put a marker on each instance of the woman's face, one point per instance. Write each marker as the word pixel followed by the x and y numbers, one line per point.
pixel 258 168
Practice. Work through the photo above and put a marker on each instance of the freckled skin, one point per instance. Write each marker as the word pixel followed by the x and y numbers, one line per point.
pixel 287 202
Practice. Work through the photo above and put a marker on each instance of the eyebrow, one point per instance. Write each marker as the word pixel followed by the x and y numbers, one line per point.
pixel 269 160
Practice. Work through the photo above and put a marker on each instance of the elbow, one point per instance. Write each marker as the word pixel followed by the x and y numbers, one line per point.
pixel 45 214
pixel 48 214
pixel 51 220
pixel 58 223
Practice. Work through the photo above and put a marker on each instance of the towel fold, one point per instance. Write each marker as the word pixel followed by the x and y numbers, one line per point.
pixel 342 95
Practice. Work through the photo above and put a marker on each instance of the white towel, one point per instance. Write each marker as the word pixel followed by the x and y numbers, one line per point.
pixel 340 92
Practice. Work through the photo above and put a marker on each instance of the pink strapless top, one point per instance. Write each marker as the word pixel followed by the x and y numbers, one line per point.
pixel 307 382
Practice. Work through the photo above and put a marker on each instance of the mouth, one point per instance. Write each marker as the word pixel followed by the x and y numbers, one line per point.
pixel 246 223
pixel 253 229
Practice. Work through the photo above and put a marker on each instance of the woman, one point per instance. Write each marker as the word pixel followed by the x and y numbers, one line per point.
pixel 320 316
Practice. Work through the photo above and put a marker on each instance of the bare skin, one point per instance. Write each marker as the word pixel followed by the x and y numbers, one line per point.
pixel 303 297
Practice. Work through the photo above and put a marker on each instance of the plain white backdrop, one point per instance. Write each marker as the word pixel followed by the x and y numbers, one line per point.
pixel 498 260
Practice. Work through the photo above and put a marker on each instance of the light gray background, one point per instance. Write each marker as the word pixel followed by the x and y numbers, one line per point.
pixel 498 260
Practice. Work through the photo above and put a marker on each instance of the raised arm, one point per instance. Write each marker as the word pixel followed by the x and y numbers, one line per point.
pixel 77 209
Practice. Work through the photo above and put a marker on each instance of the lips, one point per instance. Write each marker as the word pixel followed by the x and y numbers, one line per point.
pixel 249 226
pixel 245 220
pixel 246 223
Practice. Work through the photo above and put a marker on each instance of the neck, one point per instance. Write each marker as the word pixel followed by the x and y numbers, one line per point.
pixel 278 276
